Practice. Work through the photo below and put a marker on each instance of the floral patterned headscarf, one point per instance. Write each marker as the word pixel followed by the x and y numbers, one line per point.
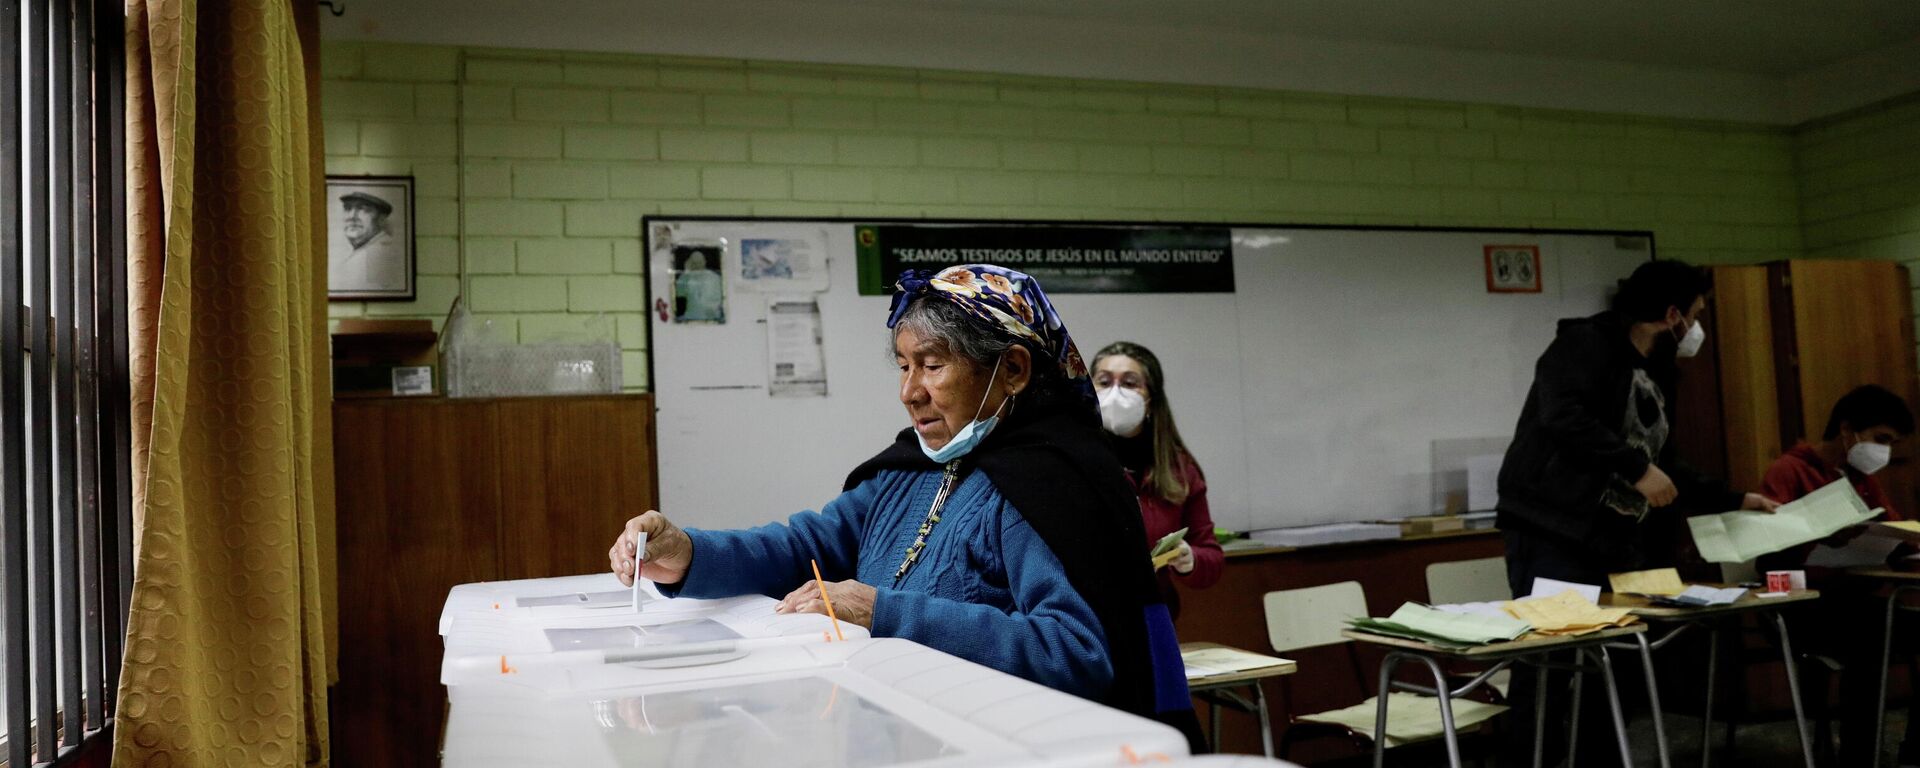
pixel 1008 301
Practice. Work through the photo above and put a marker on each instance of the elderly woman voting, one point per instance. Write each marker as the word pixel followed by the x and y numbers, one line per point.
pixel 998 527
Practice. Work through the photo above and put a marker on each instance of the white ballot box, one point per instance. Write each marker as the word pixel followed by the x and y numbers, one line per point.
pixel 858 704
pixel 487 626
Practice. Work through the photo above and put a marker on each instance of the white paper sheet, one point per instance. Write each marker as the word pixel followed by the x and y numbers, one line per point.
pixel 796 356
pixel 1550 587
pixel 773 259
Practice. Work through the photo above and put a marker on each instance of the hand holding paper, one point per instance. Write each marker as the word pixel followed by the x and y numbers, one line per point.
pixel 1736 537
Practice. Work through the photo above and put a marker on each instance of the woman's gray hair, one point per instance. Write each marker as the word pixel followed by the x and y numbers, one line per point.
pixel 945 324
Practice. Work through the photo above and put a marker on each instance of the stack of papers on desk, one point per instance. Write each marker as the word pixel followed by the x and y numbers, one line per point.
pixel 1456 630
pixel 1700 596
pixel 1662 586
pixel 1207 662
pixel 1568 613
pixel 1736 537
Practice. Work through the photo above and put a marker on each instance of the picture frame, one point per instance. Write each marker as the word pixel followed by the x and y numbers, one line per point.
pixel 1513 268
pixel 370 238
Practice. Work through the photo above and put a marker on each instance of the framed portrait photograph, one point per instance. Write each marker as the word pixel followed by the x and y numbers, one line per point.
pixel 370 238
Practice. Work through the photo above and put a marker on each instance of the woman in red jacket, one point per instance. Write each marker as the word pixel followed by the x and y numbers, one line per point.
pixel 1172 489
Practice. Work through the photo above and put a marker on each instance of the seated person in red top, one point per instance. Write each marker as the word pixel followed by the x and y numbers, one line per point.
pixel 1173 492
pixel 1858 442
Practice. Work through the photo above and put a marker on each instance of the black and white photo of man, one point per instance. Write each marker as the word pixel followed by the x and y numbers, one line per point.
pixel 368 245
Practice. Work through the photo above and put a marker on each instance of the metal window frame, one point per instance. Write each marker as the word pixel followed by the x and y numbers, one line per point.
pixel 64 362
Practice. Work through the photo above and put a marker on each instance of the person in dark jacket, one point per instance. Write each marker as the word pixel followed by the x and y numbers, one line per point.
pixel 1590 485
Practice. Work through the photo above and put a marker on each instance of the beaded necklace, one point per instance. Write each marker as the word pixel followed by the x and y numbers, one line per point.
pixel 912 558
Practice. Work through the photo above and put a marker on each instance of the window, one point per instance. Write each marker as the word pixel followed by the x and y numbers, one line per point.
pixel 65 512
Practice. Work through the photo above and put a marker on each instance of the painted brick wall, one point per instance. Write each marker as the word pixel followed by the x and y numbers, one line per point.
pixel 1860 185
pixel 562 153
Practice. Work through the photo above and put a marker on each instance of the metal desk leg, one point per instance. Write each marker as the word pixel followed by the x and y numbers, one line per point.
pixel 1706 721
pixel 1653 696
pixel 1793 688
pixel 1540 715
pixel 1613 702
pixel 1266 725
pixel 1886 666
pixel 1213 711
pixel 1573 722
pixel 1380 709
pixel 1446 711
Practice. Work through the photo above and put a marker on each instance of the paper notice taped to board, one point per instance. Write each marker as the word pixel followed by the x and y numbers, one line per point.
pixel 796 355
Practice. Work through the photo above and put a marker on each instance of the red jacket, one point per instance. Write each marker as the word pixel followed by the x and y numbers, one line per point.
pixel 1163 517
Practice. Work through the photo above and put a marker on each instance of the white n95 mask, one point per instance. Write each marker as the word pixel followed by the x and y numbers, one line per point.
pixel 1122 410
pixel 1690 343
pixel 1869 457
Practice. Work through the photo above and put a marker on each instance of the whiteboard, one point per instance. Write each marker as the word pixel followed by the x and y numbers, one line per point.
pixel 1320 391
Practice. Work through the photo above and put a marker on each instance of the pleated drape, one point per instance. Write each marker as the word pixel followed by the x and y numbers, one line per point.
pixel 227 657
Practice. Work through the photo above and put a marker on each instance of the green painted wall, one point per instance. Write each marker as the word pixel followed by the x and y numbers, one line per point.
pixel 1860 185
pixel 562 153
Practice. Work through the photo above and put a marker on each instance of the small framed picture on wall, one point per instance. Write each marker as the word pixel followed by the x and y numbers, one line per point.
pixel 370 238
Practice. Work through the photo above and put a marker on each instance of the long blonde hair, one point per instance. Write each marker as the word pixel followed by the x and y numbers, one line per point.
pixel 1164 478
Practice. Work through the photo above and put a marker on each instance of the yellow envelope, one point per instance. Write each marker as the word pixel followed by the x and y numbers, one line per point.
pixel 1659 581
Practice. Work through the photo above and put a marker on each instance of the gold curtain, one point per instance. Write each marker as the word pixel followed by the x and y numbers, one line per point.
pixel 228 644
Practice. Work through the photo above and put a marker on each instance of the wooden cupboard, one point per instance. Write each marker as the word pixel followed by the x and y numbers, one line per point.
pixel 1784 341
pixel 438 492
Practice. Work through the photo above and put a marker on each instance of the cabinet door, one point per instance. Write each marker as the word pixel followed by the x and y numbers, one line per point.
pixel 572 471
pixel 1852 324
pixel 418 513
pixel 1728 420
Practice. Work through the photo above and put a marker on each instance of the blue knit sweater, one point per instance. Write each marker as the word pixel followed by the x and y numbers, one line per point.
pixel 987 589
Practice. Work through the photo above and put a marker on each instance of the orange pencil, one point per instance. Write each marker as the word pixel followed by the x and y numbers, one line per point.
pixel 822 584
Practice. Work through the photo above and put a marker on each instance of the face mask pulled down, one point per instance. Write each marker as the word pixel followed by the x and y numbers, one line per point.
pixel 970 435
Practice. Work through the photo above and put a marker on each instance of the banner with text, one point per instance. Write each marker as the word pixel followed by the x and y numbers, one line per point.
pixel 1065 258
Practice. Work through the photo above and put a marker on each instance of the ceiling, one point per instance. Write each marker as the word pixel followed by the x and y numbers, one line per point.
pixel 1761 37
pixel 1773 61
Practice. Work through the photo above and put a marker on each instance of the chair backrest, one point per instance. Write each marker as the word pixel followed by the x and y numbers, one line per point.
pixel 1468 581
pixel 1312 616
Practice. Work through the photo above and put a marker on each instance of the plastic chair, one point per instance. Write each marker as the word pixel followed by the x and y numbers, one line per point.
pixel 1472 581
pixel 1468 581
pixel 1313 617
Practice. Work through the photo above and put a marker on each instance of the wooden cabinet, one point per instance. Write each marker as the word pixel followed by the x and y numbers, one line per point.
pixel 438 492
pixel 1784 342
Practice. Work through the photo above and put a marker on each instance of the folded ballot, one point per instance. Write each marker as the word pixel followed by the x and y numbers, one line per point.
pixel 1736 537
pixel 1418 622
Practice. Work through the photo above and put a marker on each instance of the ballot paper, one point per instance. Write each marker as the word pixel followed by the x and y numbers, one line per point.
pixel 1168 542
pixel 1543 587
pixel 1497 608
pixel 1700 596
pixel 1736 537
pixel 1659 581
pixel 1567 613
pixel 1418 622
pixel 1207 662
